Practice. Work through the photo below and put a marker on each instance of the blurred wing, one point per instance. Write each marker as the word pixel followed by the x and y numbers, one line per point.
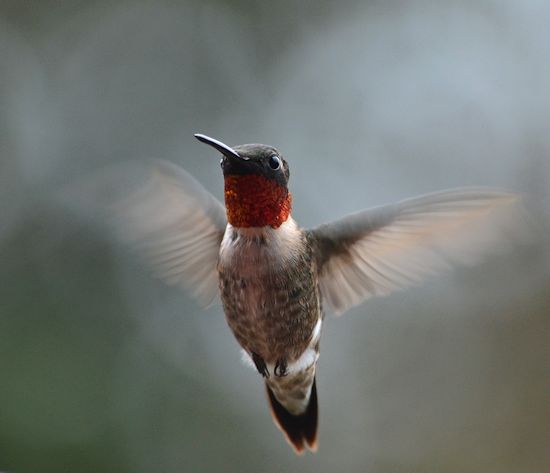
pixel 380 250
pixel 178 226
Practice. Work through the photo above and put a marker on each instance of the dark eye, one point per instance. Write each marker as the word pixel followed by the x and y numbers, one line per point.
pixel 274 162
pixel 222 161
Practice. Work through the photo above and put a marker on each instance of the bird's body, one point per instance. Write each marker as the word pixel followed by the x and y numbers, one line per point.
pixel 270 296
pixel 274 278
pixel 269 287
pixel 269 291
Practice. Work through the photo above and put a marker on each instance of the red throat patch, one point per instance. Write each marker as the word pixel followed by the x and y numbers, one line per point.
pixel 255 201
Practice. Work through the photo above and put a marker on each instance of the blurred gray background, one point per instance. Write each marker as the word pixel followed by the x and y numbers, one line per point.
pixel 104 369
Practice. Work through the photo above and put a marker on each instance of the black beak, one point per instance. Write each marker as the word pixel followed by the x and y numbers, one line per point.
pixel 221 147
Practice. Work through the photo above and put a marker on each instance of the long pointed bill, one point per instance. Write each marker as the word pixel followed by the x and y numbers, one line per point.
pixel 221 147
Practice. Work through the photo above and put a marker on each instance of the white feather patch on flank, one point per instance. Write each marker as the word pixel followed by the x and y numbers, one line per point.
pixel 247 359
pixel 310 354
pixel 306 359
pixel 316 333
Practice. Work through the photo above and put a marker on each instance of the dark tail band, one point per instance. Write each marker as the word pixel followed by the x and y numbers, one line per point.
pixel 301 430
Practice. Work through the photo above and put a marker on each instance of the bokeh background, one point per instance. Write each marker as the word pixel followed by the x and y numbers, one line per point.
pixel 104 369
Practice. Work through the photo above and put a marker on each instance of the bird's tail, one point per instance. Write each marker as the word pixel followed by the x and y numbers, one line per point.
pixel 300 430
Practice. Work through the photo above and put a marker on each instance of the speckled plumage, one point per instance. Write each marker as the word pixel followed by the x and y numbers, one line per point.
pixel 268 286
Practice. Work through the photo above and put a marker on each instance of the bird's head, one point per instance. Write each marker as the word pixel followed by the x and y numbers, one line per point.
pixel 256 184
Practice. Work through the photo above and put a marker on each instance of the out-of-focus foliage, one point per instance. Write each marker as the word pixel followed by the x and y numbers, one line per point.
pixel 105 369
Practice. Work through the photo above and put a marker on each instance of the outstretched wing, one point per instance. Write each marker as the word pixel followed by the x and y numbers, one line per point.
pixel 177 225
pixel 380 250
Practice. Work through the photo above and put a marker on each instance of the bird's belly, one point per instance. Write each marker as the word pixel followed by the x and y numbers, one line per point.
pixel 271 315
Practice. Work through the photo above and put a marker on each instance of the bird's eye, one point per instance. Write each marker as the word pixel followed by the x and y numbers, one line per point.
pixel 274 162
pixel 222 161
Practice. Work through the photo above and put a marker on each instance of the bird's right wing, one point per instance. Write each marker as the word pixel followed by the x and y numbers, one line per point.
pixel 380 250
pixel 177 225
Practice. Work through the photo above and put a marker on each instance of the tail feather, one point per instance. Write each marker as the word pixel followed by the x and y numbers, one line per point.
pixel 299 430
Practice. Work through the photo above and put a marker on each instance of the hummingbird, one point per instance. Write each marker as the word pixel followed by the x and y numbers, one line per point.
pixel 276 280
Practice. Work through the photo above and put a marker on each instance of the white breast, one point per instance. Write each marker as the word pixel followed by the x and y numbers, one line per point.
pixel 249 251
pixel 254 253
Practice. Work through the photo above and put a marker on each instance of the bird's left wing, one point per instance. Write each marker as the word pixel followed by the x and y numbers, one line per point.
pixel 177 225
pixel 380 250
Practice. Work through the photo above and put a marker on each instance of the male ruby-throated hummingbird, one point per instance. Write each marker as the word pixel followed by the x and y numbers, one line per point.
pixel 275 278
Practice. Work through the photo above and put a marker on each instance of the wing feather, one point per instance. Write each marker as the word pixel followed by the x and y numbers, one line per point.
pixel 378 251
pixel 178 226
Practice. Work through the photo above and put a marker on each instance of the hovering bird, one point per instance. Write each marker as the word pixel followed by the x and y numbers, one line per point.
pixel 275 279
